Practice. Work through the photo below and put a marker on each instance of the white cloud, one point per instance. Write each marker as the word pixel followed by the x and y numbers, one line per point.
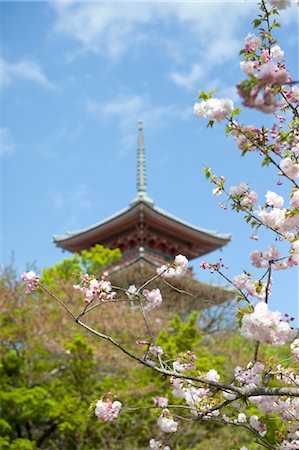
pixel 7 146
pixel 189 79
pixel 104 27
pixel 25 69
pixel 101 26
pixel 214 30
pixel 128 109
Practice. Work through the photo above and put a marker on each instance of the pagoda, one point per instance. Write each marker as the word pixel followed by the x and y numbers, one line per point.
pixel 148 237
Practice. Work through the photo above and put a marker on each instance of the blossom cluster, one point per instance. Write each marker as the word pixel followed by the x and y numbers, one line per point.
pixel 195 397
pixel 271 256
pixel 179 269
pixel 266 326
pixel 153 297
pixel 94 289
pixel 251 376
pixel 295 348
pixel 255 288
pixel 31 279
pixel 107 411
pixel 166 422
pixel 158 445
pixel 185 361
pixel 214 109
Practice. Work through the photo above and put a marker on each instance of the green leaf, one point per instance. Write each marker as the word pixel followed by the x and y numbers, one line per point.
pixel 256 23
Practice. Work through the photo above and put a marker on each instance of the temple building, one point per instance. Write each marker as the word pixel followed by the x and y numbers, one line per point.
pixel 148 237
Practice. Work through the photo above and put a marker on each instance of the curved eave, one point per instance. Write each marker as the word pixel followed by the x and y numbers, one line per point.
pixel 129 217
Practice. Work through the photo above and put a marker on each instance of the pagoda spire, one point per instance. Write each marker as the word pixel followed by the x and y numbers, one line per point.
pixel 141 169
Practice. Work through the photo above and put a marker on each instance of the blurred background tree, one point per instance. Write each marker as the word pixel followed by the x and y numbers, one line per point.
pixel 50 370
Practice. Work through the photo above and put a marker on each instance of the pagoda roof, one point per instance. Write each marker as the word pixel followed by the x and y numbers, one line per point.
pixel 146 211
pixel 142 225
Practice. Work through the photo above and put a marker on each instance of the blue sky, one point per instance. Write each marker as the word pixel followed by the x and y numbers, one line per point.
pixel 76 77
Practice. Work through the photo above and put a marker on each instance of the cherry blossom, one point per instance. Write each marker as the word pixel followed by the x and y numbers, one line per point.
pixel 257 425
pixel 266 326
pixel 153 297
pixel 242 418
pixel 161 402
pixel 107 411
pixel 280 4
pixel 180 268
pixel 31 279
pixel 252 42
pixel 166 422
pixel 271 74
pixel 251 376
pixel 157 445
pixel 156 350
pixel 131 291
pixel 274 199
pixel 93 289
pixel 247 66
pixel 295 348
pixel 214 109
pixel 289 167
pixel 293 94
pixel 276 52
pixel 212 375
pixel 262 259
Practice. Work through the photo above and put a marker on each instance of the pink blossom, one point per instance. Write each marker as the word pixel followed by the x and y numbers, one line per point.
pixel 238 190
pixel 240 281
pixel 272 219
pixel 251 376
pixel 156 350
pixel 290 168
pixel 249 199
pixel 180 268
pixel 252 42
pixel 265 56
pixel 245 137
pixel 93 289
pixel 257 425
pixel 276 52
pixel 295 198
pixel 257 289
pixel 212 375
pixel 185 361
pixel 266 326
pixel 157 445
pixel 280 4
pixel 161 402
pixel 271 74
pixel 273 199
pixel 131 291
pixel 265 101
pixel 257 259
pixel 166 422
pixel 247 66
pixel 280 265
pixel 295 348
pixel 153 297
pixel 293 94
pixel 261 259
pixel 31 280
pixel 214 109
pixel 242 418
pixel 107 411
pixel 205 265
